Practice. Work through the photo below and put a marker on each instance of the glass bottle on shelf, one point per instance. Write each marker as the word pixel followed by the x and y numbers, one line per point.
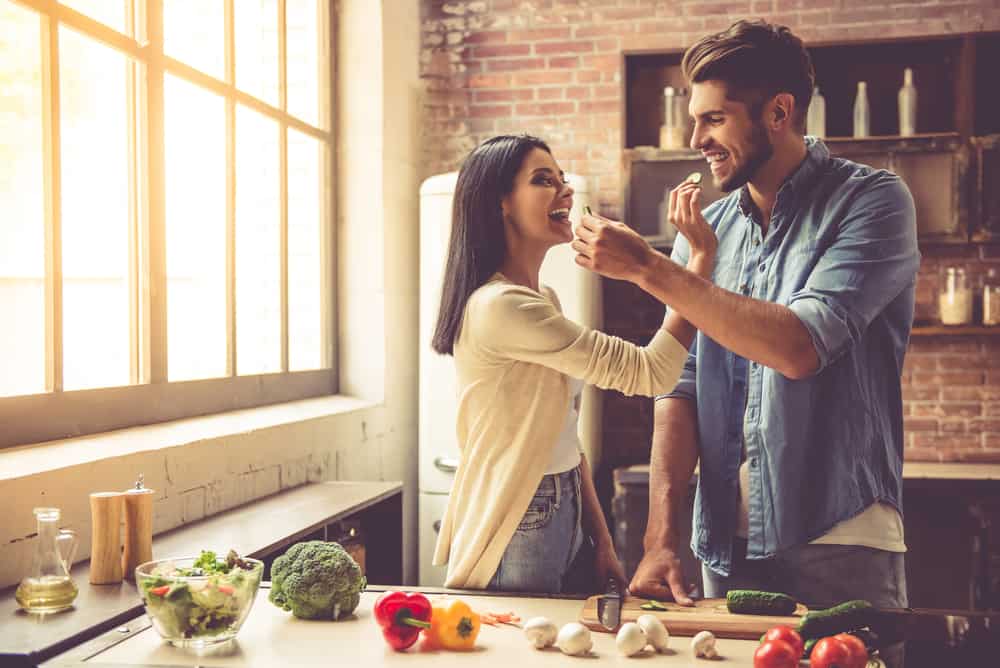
pixel 673 129
pixel 955 298
pixel 816 116
pixel 908 105
pixel 861 128
pixel 49 587
pixel 991 298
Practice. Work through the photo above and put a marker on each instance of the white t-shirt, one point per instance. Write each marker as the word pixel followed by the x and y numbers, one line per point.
pixel 879 526
pixel 566 453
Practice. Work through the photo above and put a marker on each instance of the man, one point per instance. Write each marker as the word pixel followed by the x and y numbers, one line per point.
pixel 791 397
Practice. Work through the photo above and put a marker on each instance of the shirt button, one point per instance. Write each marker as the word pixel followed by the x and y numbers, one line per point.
pixel 761 267
pixel 756 242
pixel 744 288
pixel 753 462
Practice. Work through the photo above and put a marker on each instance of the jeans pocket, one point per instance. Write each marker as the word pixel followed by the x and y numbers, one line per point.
pixel 542 506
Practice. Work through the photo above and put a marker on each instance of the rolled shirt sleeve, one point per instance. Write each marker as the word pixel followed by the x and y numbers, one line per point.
pixel 873 258
pixel 685 388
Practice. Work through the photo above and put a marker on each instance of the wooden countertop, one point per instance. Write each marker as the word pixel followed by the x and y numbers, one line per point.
pixel 272 637
pixel 256 529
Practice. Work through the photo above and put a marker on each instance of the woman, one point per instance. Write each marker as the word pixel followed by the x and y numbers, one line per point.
pixel 523 502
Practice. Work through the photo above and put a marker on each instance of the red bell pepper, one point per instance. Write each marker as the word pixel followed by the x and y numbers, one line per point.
pixel 402 616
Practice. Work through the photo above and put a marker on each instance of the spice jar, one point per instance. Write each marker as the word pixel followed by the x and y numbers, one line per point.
pixel 991 298
pixel 955 298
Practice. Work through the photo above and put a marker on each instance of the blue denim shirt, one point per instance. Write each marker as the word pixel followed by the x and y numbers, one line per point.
pixel 841 253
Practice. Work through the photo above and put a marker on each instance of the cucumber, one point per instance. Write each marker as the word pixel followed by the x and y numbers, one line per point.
pixel 753 602
pixel 807 648
pixel 838 619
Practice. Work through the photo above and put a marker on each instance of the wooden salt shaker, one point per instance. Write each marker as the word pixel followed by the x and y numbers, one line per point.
pixel 138 528
pixel 105 537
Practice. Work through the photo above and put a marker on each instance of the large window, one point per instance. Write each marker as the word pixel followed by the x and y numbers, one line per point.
pixel 165 210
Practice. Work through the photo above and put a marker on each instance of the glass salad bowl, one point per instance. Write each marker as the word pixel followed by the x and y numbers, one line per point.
pixel 199 601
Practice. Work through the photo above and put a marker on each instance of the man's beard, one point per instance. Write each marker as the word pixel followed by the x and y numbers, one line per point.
pixel 760 151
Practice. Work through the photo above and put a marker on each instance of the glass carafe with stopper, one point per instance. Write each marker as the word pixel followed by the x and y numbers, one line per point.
pixel 49 587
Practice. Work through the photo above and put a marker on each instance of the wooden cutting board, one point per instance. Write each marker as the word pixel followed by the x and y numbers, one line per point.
pixel 707 615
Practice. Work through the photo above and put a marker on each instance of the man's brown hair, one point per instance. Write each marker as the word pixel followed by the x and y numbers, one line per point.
pixel 755 60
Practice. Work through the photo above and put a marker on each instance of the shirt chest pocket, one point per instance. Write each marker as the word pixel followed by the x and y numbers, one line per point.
pixel 793 271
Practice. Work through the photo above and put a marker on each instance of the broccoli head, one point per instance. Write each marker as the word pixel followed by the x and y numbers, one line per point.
pixel 316 580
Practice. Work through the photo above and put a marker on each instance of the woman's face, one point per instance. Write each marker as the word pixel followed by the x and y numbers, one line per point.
pixel 538 206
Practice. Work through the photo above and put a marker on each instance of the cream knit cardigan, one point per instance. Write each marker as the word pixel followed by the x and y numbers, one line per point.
pixel 512 355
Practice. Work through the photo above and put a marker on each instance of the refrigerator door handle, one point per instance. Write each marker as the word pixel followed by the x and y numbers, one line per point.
pixel 446 464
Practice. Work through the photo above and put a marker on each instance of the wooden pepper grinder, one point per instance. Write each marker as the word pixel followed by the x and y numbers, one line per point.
pixel 138 528
pixel 105 538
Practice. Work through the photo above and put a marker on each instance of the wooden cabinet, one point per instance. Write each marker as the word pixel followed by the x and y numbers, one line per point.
pixel 987 188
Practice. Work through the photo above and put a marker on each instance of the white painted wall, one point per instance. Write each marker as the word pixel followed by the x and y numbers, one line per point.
pixel 205 465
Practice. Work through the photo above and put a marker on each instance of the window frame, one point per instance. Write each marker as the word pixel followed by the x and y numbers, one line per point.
pixel 151 398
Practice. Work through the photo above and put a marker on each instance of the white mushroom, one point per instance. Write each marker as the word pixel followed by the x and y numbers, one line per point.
pixel 631 639
pixel 656 632
pixel 703 645
pixel 541 632
pixel 574 639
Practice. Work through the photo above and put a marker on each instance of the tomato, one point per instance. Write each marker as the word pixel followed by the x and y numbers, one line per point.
pixel 786 634
pixel 830 653
pixel 776 654
pixel 856 648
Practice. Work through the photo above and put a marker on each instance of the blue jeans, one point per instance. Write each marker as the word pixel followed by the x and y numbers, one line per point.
pixel 541 554
pixel 818 575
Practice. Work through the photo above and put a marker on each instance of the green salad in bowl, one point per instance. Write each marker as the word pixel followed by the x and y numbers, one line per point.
pixel 199 601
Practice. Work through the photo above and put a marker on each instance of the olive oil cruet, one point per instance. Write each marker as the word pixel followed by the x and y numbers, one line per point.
pixel 49 587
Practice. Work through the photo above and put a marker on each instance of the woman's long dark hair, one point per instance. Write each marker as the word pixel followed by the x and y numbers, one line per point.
pixel 477 246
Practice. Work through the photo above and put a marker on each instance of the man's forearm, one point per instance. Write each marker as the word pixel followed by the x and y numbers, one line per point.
pixel 769 334
pixel 672 461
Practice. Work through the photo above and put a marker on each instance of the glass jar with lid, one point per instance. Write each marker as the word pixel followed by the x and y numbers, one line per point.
pixel 955 297
pixel 991 298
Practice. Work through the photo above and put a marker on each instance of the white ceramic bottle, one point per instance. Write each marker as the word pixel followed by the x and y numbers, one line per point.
pixel 816 116
pixel 908 105
pixel 861 128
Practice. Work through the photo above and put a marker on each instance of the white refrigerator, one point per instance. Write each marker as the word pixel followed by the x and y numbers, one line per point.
pixel 580 294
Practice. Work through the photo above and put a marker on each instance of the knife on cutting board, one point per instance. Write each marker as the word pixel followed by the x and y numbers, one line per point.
pixel 609 605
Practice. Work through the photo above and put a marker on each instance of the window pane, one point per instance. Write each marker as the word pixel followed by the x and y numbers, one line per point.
pixel 258 244
pixel 257 48
pixel 22 227
pixel 304 239
pixel 194 32
pixel 109 12
pixel 195 123
pixel 302 21
pixel 94 213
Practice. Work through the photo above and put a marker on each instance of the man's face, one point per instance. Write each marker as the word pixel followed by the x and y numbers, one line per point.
pixel 734 143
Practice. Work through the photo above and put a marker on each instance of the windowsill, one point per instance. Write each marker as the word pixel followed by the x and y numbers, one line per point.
pixel 37 458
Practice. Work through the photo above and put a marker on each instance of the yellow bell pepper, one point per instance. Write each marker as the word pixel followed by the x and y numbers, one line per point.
pixel 453 627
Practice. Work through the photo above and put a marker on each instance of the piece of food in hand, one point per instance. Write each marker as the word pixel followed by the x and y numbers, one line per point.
pixel 316 580
pixel 785 634
pixel 454 626
pixel 656 632
pixel 754 602
pixel 703 645
pixel 776 654
pixel 844 617
pixel 693 177
pixel 541 632
pixel 631 639
pixel 574 639
pixel 402 617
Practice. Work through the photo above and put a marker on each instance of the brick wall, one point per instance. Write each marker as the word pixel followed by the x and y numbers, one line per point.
pixel 553 67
